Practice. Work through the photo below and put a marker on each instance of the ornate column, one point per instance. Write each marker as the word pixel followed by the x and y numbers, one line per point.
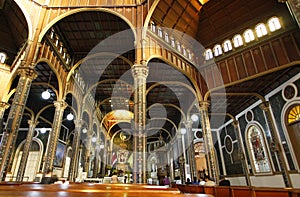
pixel 170 152
pixel 181 157
pixel 88 151
pixel 104 159
pixel 208 140
pixel 140 73
pixel 60 106
pixel 190 148
pixel 75 150
pixel 275 144
pixel 27 75
pixel 3 107
pixel 26 149
pixel 241 151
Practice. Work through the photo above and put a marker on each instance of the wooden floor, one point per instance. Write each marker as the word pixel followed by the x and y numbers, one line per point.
pixel 90 189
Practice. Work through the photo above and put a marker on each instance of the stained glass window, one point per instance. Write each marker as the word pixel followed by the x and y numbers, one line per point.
pixel 257 150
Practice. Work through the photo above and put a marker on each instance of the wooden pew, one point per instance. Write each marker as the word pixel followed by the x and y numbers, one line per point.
pixel 222 191
pixel 237 191
pixel 273 192
pixel 81 189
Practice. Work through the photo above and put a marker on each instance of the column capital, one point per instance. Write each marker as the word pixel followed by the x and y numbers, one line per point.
pixel 204 105
pixel 78 122
pixel 188 124
pixel 235 123
pixel 60 104
pixel 265 106
pixel 4 105
pixel 33 123
pixel 28 72
pixel 139 70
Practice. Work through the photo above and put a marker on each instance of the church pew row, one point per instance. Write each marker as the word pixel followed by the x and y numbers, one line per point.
pixel 237 191
pixel 90 189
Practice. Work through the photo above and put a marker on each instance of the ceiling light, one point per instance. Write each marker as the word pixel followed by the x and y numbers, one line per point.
pixel 183 131
pixel 84 130
pixel 194 117
pixel 43 130
pixel 70 116
pixel 46 95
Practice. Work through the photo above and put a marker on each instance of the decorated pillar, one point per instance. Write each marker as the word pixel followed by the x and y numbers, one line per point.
pixel 75 151
pixel 140 73
pixel 26 149
pixel 88 152
pixel 241 151
pixel 275 144
pixel 208 140
pixel 181 157
pixel 27 75
pixel 190 148
pixel 60 106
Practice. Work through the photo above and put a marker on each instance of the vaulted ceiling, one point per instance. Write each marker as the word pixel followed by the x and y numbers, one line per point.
pixel 209 23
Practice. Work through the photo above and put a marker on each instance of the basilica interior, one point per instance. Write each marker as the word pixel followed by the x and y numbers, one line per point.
pixel 148 89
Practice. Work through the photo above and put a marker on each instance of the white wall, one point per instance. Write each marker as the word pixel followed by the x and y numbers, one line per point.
pixel 295 178
pixel 267 181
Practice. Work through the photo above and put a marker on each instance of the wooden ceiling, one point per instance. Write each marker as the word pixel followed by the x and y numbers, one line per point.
pixel 209 23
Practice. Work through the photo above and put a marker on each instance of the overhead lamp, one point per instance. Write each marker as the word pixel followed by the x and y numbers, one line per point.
pixel 101 146
pixel 70 116
pixel 46 94
pixel 183 131
pixel 94 139
pixel 194 117
pixel 43 130
pixel 84 130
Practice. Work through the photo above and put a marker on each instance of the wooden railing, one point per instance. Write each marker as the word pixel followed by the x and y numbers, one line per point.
pixel 237 191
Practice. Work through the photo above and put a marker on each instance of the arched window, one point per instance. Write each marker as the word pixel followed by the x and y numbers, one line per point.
pixel 153 26
pixel 257 150
pixel 167 37
pixel 208 54
pixel 237 41
pixel 172 42
pixel 217 50
pixel 274 24
pixel 184 51
pixel 227 46
pixel 249 35
pixel 261 30
pixel 159 32
pixel 179 46
pixel 189 54
pixel 2 57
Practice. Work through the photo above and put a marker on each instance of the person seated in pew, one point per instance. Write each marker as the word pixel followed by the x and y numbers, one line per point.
pixel 208 181
pixel 188 181
pixel 195 182
pixel 223 181
pixel 49 178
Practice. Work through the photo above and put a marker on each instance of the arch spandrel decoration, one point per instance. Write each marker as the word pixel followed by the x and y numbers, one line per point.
pixel 294 114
